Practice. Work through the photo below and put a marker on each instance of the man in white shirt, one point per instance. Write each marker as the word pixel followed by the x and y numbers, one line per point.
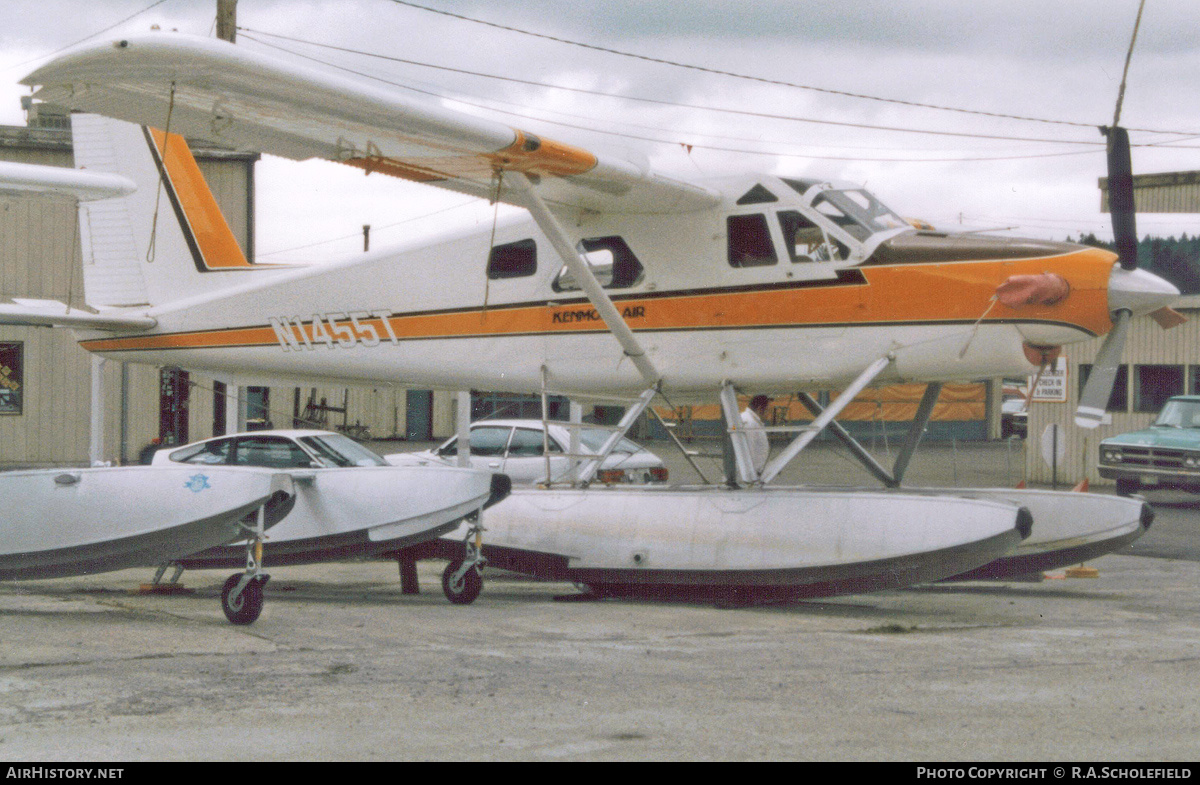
pixel 752 422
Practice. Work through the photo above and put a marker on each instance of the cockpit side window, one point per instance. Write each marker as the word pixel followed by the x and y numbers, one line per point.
pixel 749 241
pixel 806 242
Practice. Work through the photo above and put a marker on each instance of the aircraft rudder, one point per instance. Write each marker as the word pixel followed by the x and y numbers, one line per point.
pixel 165 241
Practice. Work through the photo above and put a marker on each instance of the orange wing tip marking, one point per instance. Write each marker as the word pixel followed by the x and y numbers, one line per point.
pixel 533 155
pixel 528 154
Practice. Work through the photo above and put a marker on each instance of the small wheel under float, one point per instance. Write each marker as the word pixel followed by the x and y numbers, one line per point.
pixel 243 607
pixel 462 579
pixel 461 586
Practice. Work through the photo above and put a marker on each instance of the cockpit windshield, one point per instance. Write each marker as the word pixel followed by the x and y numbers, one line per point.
pixel 855 210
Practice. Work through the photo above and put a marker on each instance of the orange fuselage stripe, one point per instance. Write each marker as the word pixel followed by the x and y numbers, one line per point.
pixel 923 293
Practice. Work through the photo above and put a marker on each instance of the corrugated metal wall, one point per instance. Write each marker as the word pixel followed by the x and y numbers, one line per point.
pixel 1148 344
pixel 1168 192
pixel 38 252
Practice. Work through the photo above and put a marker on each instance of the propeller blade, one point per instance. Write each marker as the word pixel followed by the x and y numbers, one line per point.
pixel 1168 318
pixel 1120 196
pixel 1094 399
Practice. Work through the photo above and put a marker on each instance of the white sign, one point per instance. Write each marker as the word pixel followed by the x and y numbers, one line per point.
pixel 1054 444
pixel 1052 385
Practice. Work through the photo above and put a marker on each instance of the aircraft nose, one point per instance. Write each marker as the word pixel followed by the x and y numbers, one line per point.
pixel 1138 291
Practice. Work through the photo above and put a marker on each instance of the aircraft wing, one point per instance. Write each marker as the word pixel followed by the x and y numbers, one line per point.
pixel 212 89
pixel 51 313
pixel 18 179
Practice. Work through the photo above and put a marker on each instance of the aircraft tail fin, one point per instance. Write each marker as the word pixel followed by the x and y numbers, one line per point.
pixel 165 242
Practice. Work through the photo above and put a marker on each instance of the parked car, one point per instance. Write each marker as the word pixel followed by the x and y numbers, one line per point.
pixel 274 449
pixel 1165 455
pixel 515 447
pixel 1014 419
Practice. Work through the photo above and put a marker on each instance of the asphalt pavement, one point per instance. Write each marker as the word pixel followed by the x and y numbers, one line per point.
pixel 343 666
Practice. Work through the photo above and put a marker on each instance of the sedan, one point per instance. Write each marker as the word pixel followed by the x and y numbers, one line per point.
pixel 518 448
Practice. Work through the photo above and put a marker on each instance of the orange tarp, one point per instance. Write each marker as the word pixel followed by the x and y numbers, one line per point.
pixel 896 403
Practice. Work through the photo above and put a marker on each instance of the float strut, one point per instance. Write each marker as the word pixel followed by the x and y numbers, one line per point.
pixel 777 464
pixel 915 431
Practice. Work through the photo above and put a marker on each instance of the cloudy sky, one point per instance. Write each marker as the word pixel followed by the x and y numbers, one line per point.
pixel 855 86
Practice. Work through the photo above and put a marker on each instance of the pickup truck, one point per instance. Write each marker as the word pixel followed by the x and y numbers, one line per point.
pixel 1165 455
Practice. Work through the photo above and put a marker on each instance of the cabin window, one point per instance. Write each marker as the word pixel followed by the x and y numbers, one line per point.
pixel 749 241
pixel 611 260
pixel 12 386
pixel 1154 384
pixel 513 260
pixel 1118 399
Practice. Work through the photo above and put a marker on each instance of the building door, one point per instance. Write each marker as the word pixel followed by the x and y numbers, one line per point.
pixel 219 403
pixel 418 415
pixel 173 390
pixel 258 409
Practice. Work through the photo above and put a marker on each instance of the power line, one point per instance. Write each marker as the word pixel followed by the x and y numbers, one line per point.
pixel 660 102
pixel 378 229
pixel 86 37
pixel 750 77
pixel 714 148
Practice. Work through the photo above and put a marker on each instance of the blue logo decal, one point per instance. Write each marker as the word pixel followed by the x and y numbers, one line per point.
pixel 197 483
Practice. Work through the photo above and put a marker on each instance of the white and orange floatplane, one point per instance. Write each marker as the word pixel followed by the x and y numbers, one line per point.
pixel 620 284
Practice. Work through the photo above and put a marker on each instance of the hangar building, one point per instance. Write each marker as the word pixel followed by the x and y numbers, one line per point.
pixel 46 379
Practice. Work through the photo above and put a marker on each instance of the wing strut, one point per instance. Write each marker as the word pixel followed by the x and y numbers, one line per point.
pixel 582 272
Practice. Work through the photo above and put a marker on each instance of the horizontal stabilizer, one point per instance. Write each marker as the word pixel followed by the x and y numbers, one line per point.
pixel 51 313
pixel 17 179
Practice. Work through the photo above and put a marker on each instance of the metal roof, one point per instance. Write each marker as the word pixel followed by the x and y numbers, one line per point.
pixel 1165 192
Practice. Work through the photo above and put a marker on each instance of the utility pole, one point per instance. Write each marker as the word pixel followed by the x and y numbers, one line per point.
pixel 227 20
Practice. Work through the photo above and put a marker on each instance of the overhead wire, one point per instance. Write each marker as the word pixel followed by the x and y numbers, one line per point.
pixel 377 229
pixel 715 148
pixel 1176 143
pixel 85 38
pixel 658 101
pixel 760 79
